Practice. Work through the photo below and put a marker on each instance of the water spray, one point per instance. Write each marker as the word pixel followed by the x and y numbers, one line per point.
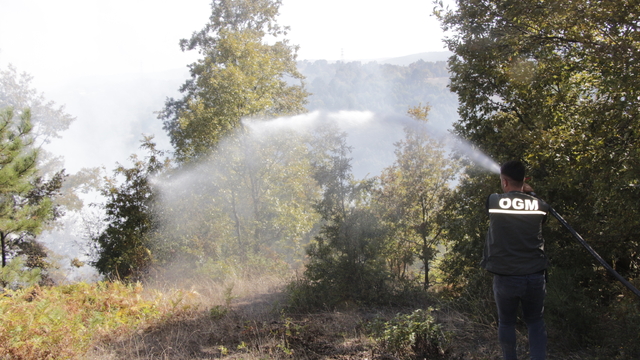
pixel 389 125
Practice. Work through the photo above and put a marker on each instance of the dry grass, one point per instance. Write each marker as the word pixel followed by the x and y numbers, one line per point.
pixel 242 319
pixel 203 319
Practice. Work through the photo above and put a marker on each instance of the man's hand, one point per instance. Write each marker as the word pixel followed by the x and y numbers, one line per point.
pixel 527 188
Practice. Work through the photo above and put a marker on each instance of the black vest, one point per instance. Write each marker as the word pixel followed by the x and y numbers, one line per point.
pixel 514 243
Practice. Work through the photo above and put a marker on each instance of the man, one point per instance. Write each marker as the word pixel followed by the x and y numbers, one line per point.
pixel 514 253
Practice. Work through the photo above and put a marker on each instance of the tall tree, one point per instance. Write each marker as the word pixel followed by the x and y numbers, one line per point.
pixel 26 200
pixel 250 201
pixel 241 75
pixel 413 193
pixel 537 81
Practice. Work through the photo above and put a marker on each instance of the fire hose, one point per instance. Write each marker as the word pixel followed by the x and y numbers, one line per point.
pixel 594 253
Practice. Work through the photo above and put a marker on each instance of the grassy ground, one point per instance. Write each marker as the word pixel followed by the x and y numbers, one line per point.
pixel 207 320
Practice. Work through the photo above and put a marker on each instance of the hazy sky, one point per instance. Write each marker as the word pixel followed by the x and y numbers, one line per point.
pixel 75 48
pixel 62 39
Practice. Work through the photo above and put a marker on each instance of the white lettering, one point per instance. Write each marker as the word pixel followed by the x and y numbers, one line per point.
pixel 518 204
pixel 531 204
pixel 505 203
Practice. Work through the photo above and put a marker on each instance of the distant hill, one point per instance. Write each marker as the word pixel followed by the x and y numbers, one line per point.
pixel 113 111
pixel 381 87
pixel 409 59
pixel 384 89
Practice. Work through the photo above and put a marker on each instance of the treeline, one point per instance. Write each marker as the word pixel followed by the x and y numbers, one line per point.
pixel 381 88
pixel 271 200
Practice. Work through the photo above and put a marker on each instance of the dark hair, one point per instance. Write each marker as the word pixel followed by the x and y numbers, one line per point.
pixel 514 169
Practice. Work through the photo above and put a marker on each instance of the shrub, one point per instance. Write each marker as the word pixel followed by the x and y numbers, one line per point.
pixel 63 322
pixel 411 336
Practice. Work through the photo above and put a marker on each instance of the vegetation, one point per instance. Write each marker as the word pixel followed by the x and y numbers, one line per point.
pixel 412 198
pixel 241 75
pixel 122 247
pixel 26 205
pixel 415 335
pixel 63 322
pixel 35 189
pixel 345 262
pixel 554 84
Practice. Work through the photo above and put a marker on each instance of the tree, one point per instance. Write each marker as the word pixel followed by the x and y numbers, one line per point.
pixel 412 195
pixel 555 83
pixel 241 75
pixel 249 202
pixel 123 246
pixel 26 200
pixel 48 120
pixel 345 259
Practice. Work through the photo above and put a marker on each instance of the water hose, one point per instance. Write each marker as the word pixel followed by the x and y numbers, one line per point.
pixel 594 253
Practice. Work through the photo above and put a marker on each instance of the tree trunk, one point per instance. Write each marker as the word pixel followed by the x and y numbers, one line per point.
pixel 4 251
pixel 425 260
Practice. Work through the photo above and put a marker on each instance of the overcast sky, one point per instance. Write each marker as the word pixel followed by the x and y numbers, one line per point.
pixel 62 39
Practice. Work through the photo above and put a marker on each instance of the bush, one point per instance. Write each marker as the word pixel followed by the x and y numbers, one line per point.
pixel 411 336
pixel 15 275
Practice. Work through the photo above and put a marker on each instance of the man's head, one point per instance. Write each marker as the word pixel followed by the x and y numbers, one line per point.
pixel 512 176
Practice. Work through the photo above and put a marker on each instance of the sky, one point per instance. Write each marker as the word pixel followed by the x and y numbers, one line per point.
pixel 70 45
pixel 81 52
pixel 58 40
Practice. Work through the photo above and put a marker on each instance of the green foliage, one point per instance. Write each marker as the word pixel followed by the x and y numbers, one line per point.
pixel 14 275
pixel 411 336
pixel 26 199
pixel 122 247
pixel 345 263
pixel 246 210
pixel 467 227
pixel 555 84
pixel 412 195
pixel 218 312
pixel 63 322
pixel 241 75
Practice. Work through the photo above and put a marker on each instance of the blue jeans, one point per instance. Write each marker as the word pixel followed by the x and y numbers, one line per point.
pixel 509 293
